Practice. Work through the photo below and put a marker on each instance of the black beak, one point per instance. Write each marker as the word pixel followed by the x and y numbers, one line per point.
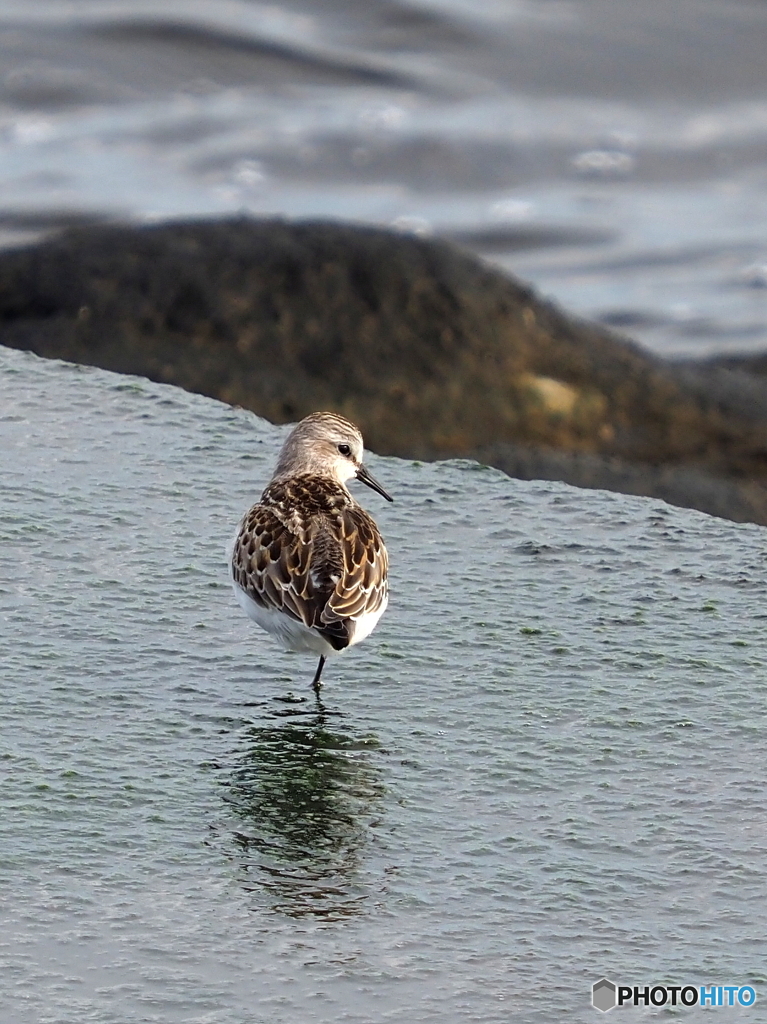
pixel 366 478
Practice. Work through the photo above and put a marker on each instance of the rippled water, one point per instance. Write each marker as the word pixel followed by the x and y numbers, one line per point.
pixel 615 154
pixel 546 765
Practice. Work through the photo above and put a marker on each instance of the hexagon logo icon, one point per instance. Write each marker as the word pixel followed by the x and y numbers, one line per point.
pixel 603 995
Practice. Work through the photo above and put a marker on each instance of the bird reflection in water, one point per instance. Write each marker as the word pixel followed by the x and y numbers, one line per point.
pixel 304 791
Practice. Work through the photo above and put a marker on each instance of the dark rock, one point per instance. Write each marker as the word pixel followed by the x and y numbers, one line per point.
pixel 433 353
pixel 690 487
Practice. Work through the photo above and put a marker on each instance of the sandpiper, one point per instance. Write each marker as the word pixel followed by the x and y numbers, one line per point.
pixel 308 563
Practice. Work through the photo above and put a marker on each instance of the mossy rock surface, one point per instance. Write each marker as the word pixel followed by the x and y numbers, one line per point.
pixel 431 351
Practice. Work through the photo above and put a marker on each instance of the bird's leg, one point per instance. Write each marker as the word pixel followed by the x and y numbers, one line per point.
pixel 316 684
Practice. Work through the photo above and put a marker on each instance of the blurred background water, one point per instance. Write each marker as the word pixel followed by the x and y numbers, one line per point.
pixel 614 154
pixel 546 765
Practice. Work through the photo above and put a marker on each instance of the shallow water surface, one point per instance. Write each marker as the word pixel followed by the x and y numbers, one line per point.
pixel 546 765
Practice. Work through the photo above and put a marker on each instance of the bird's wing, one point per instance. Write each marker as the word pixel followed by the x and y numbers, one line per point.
pixel 277 566
pixel 362 587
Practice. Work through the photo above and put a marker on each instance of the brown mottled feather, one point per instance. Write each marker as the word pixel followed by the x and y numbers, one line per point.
pixel 309 550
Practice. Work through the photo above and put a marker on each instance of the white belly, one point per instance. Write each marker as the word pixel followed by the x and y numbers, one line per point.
pixel 294 635
pixel 365 624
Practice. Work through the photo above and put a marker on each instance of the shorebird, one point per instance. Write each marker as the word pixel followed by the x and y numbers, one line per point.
pixel 308 563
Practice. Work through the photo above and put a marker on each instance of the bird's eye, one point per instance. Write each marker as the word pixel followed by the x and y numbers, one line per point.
pixel 345 450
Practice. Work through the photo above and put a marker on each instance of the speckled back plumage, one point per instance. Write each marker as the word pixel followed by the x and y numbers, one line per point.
pixel 309 550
